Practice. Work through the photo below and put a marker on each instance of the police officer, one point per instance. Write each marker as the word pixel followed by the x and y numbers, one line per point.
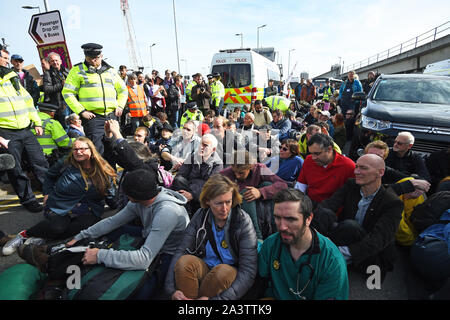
pixel 276 102
pixel 327 91
pixel 192 113
pixel 217 94
pixel 17 116
pixel 55 140
pixel 95 91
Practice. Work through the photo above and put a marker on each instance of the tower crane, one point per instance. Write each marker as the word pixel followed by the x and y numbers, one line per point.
pixel 133 53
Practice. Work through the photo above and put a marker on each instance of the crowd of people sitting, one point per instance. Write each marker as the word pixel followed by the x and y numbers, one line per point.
pixel 256 201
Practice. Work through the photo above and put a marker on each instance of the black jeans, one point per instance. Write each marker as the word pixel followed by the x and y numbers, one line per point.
pixel 95 129
pixel 24 143
pixel 58 227
pixel 348 232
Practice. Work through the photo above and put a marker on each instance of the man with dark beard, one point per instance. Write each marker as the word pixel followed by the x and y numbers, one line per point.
pixel 298 262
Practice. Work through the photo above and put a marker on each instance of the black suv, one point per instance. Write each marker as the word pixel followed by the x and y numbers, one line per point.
pixel 416 103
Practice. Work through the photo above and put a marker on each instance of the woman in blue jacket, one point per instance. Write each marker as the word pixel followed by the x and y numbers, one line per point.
pixel 217 257
pixel 288 163
pixel 74 192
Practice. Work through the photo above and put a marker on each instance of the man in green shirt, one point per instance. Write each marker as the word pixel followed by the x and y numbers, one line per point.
pixel 298 262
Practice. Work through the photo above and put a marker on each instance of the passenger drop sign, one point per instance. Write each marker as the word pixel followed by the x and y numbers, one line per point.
pixel 47 28
pixel 47 31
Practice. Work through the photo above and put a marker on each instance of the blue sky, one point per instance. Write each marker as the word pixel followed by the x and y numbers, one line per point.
pixel 319 31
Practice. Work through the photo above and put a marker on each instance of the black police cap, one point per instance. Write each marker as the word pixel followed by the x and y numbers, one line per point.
pixel 92 49
pixel 47 106
pixel 192 105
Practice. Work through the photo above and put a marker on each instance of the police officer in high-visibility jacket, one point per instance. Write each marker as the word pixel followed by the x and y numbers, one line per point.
pixel 17 116
pixel 327 91
pixel 55 138
pixel 192 113
pixel 136 103
pixel 217 94
pixel 276 102
pixel 95 91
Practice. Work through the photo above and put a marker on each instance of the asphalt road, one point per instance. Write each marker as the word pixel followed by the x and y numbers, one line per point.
pixel 14 218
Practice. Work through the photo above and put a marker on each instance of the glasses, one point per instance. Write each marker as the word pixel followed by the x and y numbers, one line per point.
pixel 80 149
pixel 284 148
pixel 311 275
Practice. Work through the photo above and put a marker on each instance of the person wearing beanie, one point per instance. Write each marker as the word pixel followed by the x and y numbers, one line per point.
pixel 163 218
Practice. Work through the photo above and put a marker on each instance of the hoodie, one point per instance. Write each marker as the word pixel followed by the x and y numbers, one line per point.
pixel 164 222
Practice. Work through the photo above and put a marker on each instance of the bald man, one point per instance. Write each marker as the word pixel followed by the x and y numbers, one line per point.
pixel 365 229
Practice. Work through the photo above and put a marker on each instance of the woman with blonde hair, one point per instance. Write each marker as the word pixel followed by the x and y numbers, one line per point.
pixel 218 256
pixel 74 192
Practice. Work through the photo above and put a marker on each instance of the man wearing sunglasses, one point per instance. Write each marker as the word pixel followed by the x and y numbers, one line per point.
pixel 298 262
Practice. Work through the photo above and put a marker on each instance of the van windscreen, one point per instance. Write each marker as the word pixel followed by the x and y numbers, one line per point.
pixel 234 75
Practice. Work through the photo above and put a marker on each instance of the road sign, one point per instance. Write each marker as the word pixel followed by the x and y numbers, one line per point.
pixel 47 28
pixel 60 48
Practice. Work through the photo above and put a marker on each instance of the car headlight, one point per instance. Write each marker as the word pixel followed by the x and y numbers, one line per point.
pixel 374 124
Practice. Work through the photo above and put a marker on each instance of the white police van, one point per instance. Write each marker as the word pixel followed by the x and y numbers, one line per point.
pixel 244 74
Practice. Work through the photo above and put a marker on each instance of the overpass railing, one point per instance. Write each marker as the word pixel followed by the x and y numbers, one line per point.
pixel 431 35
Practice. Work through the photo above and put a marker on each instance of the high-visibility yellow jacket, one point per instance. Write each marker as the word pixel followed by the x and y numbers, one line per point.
pixel 327 93
pixel 189 90
pixel 17 109
pixel 195 116
pixel 54 135
pixel 278 102
pixel 99 92
pixel 217 92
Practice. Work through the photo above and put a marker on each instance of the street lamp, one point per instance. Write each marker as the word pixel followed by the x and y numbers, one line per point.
pixel 151 56
pixel 176 35
pixel 289 62
pixel 242 42
pixel 260 27
pixel 30 7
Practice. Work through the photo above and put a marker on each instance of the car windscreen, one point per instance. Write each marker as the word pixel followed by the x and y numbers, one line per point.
pixel 416 90
pixel 234 75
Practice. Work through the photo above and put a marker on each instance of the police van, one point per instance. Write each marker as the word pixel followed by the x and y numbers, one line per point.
pixel 244 74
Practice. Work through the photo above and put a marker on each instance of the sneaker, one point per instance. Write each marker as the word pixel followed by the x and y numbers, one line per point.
pixel 11 246
pixel 33 206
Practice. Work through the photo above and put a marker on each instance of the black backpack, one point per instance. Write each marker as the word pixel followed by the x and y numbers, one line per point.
pixel 430 211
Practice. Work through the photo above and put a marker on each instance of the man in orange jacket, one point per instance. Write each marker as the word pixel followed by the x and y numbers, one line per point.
pixel 136 103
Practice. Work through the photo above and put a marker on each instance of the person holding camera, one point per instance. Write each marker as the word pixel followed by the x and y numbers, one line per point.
pixel 201 94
